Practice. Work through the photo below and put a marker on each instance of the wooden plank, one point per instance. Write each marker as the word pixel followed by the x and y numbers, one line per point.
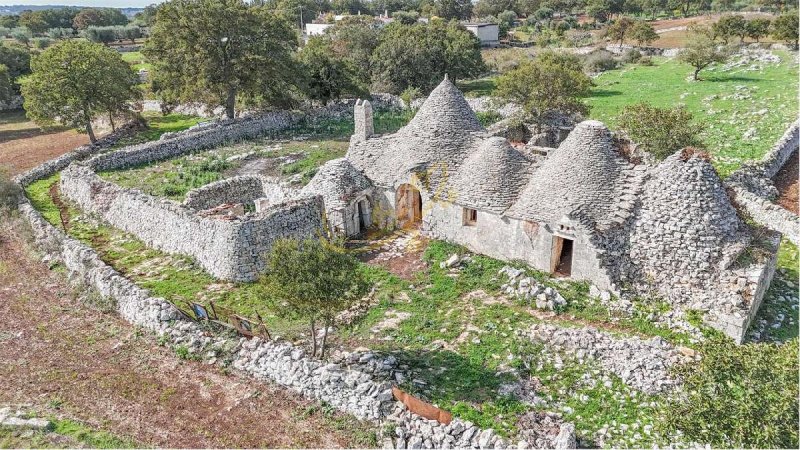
pixel 421 408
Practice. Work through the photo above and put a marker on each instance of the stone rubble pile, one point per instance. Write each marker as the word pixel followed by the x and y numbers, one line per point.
pixel 15 418
pixel 642 364
pixel 530 290
pixel 414 432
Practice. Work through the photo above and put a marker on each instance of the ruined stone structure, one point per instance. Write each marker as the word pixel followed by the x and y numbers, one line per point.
pixel 581 210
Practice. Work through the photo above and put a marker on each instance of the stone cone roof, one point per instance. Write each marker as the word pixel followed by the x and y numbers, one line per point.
pixel 490 179
pixel 583 176
pixel 336 181
pixel 685 220
pixel 434 144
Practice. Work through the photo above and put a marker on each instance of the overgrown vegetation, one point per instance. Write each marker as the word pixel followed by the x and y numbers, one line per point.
pixel 660 131
pixel 741 396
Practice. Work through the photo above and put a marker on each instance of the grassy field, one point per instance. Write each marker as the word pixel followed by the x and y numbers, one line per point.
pixel 728 102
pixel 136 60
pixel 158 124
pixel 65 434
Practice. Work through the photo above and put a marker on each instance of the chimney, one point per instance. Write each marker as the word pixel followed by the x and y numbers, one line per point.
pixel 364 127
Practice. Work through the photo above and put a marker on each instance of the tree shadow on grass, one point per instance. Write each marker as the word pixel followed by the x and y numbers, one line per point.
pixel 605 93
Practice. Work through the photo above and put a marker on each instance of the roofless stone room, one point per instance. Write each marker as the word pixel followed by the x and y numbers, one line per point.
pixel 399 225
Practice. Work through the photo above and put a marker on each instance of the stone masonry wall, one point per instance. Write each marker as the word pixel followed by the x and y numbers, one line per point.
pixel 242 189
pixel 228 249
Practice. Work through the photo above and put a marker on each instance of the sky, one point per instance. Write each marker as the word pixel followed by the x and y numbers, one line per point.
pixel 109 3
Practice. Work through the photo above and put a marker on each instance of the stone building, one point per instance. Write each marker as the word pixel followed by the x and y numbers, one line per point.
pixel 582 210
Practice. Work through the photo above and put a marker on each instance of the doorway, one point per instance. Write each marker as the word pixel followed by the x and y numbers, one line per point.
pixel 561 259
pixel 408 206
pixel 364 219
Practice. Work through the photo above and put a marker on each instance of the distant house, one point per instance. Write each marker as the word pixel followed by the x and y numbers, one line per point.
pixel 316 29
pixel 487 33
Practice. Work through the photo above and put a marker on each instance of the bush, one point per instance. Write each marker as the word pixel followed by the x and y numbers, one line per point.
pixel 660 131
pixel 646 61
pixel 42 43
pixel 410 94
pixel 738 396
pixel 599 61
pixel 631 56
pixel 10 193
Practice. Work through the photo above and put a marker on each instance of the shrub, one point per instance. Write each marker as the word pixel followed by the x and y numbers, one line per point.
pixel 9 191
pixel 410 94
pixel 42 43
pixel 631 56
pixel 599 61
pixel 660 131
pixel 738 396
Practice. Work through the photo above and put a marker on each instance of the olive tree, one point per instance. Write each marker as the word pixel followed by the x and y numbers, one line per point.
pixel 73 82
pixel 643 33
pixel 660 131
pixel 785 29
pixel 215 51
pixel 701 51
pixel 551 83
pixel 312 280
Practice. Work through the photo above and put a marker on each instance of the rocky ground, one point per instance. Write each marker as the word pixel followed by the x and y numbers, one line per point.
pixel 68 359
pixel 786 181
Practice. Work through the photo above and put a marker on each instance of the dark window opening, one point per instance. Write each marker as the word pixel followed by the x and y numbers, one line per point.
pixel 470 217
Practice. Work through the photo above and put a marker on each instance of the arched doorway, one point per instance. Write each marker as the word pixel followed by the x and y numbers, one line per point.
pixel 408 206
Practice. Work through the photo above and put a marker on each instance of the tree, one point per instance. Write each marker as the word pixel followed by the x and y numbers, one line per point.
pixel 729 26
pixel 701 51
pixel 453 9
pixel 406 17
pixel 18 62
pixel 420 55
pixel 551 83
pixel 22 35
pixel 486 8
pixel 355 39
pixel 73 82
pixel 102 35
pixel 99 17
pixel 660 131
pixel 643 33
pixel 215 51
pixel 61 33
pixel 758 28
pixel 784 28
pixel 147 16
pixel 617 30
pixel 34 21
pixel 313 280
pixel 6 84
pixel 292 10
pixel 351 7
pixel 328 77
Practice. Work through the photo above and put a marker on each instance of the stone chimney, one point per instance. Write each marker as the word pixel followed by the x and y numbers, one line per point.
pixel 363 120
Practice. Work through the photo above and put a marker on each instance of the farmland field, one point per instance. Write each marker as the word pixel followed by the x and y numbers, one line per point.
pixel 745 108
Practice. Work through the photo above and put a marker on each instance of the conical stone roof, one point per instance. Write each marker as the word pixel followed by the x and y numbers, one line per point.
pixel 583 175
pixel 491 178
pixel 336 181
pixel 436 142
pixel 685 221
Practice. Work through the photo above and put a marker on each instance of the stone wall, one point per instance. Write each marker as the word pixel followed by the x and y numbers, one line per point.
pixel 242 189
pixel 227 249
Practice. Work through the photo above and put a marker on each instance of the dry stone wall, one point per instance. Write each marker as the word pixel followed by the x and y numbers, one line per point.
pixel 228 249
pixel 242 189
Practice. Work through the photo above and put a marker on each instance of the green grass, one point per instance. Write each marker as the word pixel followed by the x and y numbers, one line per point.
pixel 64 434
pixel 772 91
pixel 38 193
pixel 778 301
pixel 477 88
pixel 157 125
pixel 136 60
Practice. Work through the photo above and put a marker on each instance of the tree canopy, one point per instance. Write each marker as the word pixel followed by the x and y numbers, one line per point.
pixel 73 82
pixel 660 131
pixel 313 280
pixel 785 29
pixel 215 51
pixel 701 51
pixel 328 77
pixel 99 17
pixel 420 55
pixel 551 83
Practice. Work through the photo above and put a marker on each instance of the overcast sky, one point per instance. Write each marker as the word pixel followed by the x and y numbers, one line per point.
pixel 111 3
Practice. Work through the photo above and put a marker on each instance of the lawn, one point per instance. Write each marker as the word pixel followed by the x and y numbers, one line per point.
pixel 730 103
pixel 136 60
pixel 158 124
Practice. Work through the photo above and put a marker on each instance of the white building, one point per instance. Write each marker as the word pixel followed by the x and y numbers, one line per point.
pixel 487 33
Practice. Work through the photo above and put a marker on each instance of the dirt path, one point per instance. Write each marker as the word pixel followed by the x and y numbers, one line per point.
pixel 74 361
pixel 786 180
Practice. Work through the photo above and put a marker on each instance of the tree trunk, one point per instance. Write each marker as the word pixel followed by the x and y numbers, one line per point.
pixel 230 103
pixel 313 339
pixel 89 129
pixel 324 339
pixel 111 119
pixel 696 72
